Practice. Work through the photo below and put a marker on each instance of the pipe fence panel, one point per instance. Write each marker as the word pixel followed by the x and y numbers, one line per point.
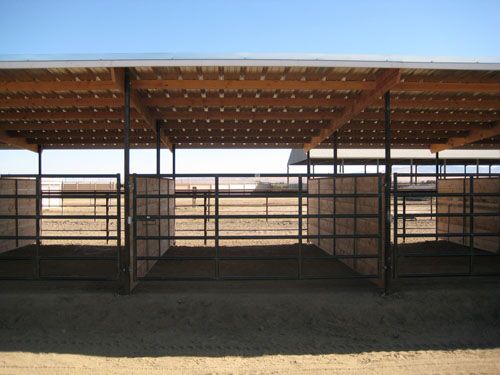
pixel 450 230
pixel 241 226
pixel 60 227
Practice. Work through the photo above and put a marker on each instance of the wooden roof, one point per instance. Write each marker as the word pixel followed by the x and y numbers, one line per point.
pixel 248 106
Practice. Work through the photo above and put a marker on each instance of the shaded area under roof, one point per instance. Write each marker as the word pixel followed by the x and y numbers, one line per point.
pixel 248 101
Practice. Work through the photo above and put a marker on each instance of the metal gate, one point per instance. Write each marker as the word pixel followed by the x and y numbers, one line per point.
pixel 245 226
pixel 60 227
pixel 450 228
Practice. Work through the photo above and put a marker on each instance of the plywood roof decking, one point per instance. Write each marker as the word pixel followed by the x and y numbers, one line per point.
pixel 245 106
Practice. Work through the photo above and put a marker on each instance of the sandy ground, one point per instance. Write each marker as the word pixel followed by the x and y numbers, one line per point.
pixel 252 327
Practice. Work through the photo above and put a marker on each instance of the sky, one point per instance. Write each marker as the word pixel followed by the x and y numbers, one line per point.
pixel 410 28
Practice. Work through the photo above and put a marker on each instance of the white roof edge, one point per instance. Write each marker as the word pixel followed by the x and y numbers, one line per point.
pixel 249 59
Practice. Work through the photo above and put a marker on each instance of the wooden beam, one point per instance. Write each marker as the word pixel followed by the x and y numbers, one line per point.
pixel 117 75
pixel 315 103
pixel 17 142
pixel 16 103
pixel 103 102
pixel 57 86
pixel 473 136
pixel 232 115
pixel 447 86
pixel 384 83
pixel 196 84
pixel 177 84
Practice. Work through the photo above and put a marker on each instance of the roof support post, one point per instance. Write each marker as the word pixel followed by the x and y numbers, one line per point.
pixel 308 165
pixel 158 146
pixel 437 166
pixel 387 192
pixel 173 160
pixel 125 286
pixel 335 152
pixel 39 202
pixel 40 150
pixel 411 171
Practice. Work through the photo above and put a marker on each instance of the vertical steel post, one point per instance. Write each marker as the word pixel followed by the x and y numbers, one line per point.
pixel 158 146
pixel 396 224
pixel 387 193
pixel 118 221
pixel 158 171
pixel 335 152
pixel 308 164
pixel 437 193
pixel 411 171
pixel 216 209
pixel 471 226
pixel 125 284
pixel 437 167
pixel 38 208
pixel 299 257
pixel 173 161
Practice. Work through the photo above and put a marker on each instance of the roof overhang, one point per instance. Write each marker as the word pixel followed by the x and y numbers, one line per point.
pixel 249 101
pixel 41 61
pixel 398 156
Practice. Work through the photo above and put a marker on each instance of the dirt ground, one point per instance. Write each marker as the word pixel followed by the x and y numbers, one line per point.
pixel 445 327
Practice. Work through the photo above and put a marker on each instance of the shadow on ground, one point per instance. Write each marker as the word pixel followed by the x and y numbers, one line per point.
pixel 250 318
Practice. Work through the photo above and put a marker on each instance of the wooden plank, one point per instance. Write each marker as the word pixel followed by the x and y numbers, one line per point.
pixel 185 84
pixel 17 142
pixel 57 86
pixel 118 76
pixel 473 136
pixel 162 102
pixel 383 84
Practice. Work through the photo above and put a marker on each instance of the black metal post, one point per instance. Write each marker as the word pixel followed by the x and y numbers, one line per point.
pixel 437 167
pixel 125 284
pixel 387 193
pixel 205 219
pixel 299 257
pixel 39 202
pixel 308 164
pixel 411 171
pixel 437 192
pixel 335 152
pixel 396 224
pixel 173 160
pixel 471 226
pixel 158 146
pixel 216 209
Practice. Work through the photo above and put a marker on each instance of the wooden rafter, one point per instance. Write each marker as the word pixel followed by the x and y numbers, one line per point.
pixel 17 142
pixel 117 102
pixel 117 76
pixel 175 84
pixel 57 86
pixel 232 114
pixel 472 137
pixel 385 82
